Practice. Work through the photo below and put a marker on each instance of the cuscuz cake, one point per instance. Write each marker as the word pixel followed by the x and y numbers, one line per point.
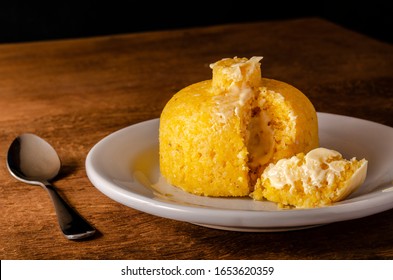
pixel 217 136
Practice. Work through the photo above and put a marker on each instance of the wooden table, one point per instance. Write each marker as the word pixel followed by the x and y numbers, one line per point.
pixel 73 93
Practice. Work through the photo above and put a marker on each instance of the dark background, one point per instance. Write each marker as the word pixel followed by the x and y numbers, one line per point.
pixel 22 21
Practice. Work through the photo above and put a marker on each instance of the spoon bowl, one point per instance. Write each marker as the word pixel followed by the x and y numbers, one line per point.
pixel 34 161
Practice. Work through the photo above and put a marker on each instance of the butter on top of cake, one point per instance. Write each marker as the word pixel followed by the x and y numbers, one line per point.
pixel 236 73
pixel 235 86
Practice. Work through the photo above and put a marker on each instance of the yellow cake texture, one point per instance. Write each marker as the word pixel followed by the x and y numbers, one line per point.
pixel 217 136
pixel 318 178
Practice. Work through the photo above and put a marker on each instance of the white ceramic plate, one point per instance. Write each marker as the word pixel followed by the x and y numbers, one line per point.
pixel 124 166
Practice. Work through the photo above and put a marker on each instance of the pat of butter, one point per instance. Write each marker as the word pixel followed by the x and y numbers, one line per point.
pixel 320 167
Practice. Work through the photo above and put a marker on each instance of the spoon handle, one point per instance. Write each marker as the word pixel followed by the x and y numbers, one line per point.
pixel 73 225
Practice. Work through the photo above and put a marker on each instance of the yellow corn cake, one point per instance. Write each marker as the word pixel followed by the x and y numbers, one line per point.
pixel 318 178
pixel 217 136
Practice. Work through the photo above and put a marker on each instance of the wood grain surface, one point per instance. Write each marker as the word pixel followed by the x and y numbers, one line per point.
pixel 73 93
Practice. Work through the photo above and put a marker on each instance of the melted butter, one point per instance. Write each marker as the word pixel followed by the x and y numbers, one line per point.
pixel 145 167
pixel 231 103
pixel 260 142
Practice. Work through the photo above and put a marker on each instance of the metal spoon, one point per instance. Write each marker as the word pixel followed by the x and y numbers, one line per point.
pixel 32 160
